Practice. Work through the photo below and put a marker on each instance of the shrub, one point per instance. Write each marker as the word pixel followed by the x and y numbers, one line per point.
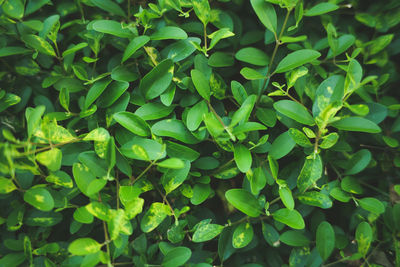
pixel 199 133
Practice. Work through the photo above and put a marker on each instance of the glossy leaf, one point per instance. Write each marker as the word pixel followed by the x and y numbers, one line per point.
pixel 243 201
pixel 169 32
pixel 297 59
pixel 356 124
pixel 134 45
pixel 133 123
pixel 40 198
pixel 310 173
pixel 154 216
pixel 294 111
pixel 84 246
pixel 291 218
pixel 242 235
pixel 265 13
pixel 201 84
pixel 253 56
pixel 242 157
pixel 325 240
pixel 155 82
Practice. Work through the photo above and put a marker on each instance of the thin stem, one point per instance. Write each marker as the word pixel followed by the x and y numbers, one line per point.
pixel 220 121
pixel 205 38
pixel 146 170
pixel 317 141
pixel 335 262
pixel 106 237
pixel 129 10
pixel 277 44
pixel 164 197
pixel 47 147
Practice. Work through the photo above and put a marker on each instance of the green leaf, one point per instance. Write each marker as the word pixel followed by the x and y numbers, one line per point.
pixel 112 27
pixel 314 198
pixel 364 237
pixel 281 146
pixel 74 48
pixel 40 44
pixel 154 111
pixel 359 161
pixel 112 93
pixel 169 32
pixel 270 234
pixel 50 158
pixel 340 195
pixel 372 205
pixel 265 13
pixel 243 201
pixel 64 98
pixel 177 257
pixel 297 59
pixel 95 91
pixel 99 210
pixel 181 151
pixel 95 186
pixel 356 124
pixel 175 129
pixel 286 196
pixel 294 111
pixel 351 185
pixel 242 235
pixel 243 113
pixel 155 82
pixel 238 92
pixel 154 216
pixel 9 100
pixel 171 163
pixel 13 8
pixel 325 240
pixel 344 42
pixel 6 185
pixel 329 140
pixel 173 178
pixel 143 149
pixel 82 177
pixel 310 173
pixel 329 91
pixel 242 157
pixel 200 193
pixel 206 232
pixel 251 74
pixel 109 6
pixel 133 123
pixel 195 115
pixel 291 218
pixel 134 45
pixel 201 84
pixel 253 56
pixel 320 9
pixel 39 198
pixel 99 134
pixel 353 77
pixel 294 238
pixel 377 45
pixel 202 10
pixel 82 215
pixel 219 35
pixel 12 50
pixel 299 137
pixel 84 246
pixel 218 59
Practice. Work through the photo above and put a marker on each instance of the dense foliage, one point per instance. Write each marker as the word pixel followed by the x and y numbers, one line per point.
pixel 199 133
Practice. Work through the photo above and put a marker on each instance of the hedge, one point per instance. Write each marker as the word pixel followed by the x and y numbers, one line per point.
pixel 199 133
